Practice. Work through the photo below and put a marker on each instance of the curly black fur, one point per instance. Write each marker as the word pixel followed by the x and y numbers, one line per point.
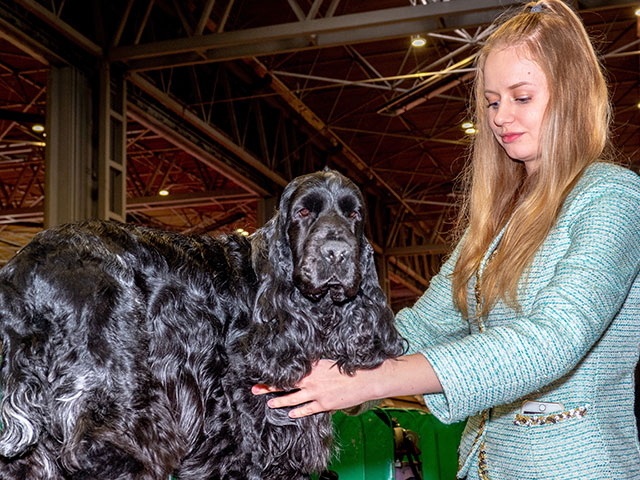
pixel 129 353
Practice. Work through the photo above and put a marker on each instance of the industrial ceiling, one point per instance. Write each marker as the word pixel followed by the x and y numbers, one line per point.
pixel 227 100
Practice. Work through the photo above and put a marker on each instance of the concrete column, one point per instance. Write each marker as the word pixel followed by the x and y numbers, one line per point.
pixel 69 150
pixel 266 209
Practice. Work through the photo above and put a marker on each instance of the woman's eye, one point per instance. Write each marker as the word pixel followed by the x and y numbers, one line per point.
pixel 305 212
pixel 493 104
pixel 523 99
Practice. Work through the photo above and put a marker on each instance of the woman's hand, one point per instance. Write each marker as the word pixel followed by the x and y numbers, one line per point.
pixel 325 389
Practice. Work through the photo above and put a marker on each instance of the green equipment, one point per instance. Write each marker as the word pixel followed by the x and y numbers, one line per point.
pixel 393 444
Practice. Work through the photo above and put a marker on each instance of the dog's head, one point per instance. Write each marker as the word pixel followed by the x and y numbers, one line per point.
pixel 319 293
pixel 318 236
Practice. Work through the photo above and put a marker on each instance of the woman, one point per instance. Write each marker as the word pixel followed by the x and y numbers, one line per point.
pixel 531 330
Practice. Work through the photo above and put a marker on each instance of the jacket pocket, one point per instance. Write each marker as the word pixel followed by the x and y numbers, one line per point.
pixel 572 414
pixel 565 445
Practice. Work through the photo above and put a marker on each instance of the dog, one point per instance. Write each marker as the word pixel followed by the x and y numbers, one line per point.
pixel 129 353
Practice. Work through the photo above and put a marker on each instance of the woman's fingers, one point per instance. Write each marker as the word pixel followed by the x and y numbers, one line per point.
pixel 310 408
pixel 323 389
pixel 261 389
pixel 290 400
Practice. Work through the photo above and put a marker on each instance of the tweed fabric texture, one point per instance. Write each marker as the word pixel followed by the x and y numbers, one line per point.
pixel 576 341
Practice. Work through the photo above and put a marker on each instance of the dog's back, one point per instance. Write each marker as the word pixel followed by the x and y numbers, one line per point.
pixel 114 346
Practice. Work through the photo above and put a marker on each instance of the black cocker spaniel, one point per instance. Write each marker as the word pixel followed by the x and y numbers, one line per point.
pixel 129 353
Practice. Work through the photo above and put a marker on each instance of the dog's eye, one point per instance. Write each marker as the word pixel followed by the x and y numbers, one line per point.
pixel 304 212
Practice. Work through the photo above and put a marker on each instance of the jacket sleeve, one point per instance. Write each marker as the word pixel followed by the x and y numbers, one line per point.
pixel 591 281
pixel 433 319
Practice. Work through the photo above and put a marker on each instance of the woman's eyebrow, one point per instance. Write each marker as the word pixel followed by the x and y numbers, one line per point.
pixel 510 87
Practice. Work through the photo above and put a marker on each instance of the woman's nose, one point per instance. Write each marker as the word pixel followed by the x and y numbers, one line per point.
pixel 504 114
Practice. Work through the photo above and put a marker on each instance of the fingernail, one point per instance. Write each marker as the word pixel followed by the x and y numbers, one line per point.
pixel 271 404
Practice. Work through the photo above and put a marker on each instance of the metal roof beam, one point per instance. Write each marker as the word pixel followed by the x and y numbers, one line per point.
pixel 191 200
pixel 62 27
pixel 142 204
pixel 322 32
pixel 16 215
pixel 202 152
pixel 214 134
pixel 313 33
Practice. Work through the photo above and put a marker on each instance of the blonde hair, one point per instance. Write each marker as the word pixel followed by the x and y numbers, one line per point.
pixel 573 135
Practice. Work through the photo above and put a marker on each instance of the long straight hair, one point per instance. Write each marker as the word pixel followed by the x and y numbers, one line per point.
pixel 573 135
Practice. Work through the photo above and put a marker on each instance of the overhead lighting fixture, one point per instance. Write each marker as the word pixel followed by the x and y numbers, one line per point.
pixel 469 128
pixel 37 127
pixel 163 193
pixel 242 231
pixel 418 41
pixel 638 12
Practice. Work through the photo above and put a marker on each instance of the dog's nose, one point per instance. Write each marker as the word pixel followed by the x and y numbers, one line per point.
pixel 335 252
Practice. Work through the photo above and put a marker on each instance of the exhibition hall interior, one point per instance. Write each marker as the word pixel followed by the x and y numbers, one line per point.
pixel 191 116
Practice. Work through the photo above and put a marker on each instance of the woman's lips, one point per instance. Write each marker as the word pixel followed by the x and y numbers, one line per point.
pixel 510 137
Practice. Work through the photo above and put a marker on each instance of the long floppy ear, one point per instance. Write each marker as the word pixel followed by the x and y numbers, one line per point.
pixel 260 247
pixel 273 348
pixel 270 251
pixel 273 263
pixel 370 336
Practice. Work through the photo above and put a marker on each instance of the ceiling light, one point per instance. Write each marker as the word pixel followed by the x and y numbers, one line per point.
pixel 37 127
pixel 638 12
pixel 470 131
pixel 467 125
pixel 242 231
pixel 418 41
pixel 163 193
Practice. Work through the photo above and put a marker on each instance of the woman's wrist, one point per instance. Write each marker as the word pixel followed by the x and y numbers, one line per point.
pixel 376 381
pixel 407 375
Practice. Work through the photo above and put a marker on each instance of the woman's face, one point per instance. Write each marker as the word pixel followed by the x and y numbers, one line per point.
pixel 517 94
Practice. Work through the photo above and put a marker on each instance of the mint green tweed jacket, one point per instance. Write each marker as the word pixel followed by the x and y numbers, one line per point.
pixel 576 341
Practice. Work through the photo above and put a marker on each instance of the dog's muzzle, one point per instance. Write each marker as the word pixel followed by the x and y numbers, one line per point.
pixel 330 266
